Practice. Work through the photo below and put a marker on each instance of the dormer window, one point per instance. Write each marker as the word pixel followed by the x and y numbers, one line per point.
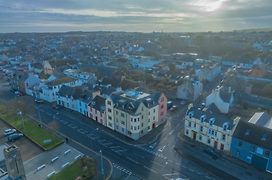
pixel 191 114
pixel 211 121
pixel 202 118
pixel 225 126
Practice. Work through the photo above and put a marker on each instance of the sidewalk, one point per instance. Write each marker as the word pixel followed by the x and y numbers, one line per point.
pixel 225 167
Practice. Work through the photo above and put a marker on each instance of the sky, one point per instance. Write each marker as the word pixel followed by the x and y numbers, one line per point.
pixel 134 15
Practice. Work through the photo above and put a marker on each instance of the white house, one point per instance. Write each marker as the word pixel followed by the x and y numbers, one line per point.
pixel 189 90
pixel 49 90
pixel 222 98
pixel 207 127
pixel 32 81
pixel 83 76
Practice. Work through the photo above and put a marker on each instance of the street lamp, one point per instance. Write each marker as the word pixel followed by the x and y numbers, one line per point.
pixel 102 168
pixel 21 115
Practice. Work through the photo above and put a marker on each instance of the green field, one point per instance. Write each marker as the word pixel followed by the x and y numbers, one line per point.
pixel 84 168
pixel 31 129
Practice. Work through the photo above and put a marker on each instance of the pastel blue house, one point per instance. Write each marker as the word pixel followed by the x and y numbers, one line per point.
pixel 252 141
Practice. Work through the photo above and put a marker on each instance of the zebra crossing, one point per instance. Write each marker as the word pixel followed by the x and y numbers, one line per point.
pixel 122 169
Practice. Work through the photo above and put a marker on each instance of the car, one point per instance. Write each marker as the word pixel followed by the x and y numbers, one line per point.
pixel 212 153
pixel 8 132
pixel 39 100
pixel 173 108
pixel 14 137
pixel 55 106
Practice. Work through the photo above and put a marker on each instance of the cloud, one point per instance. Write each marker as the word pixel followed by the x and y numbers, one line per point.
pixel 131 15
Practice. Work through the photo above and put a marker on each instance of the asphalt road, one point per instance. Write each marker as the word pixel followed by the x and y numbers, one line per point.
pixel 157 160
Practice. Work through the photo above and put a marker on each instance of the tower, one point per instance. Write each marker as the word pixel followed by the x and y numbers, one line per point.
pixel 14 163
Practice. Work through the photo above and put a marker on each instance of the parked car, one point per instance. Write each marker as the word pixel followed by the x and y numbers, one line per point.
pixel 55 106
pixel 212 153
pixel 39 100
pixel 8 132
pixel 14 137
pixel 173 108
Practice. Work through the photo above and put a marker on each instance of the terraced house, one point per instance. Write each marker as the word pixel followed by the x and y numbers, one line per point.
pixel 135 113
pixel 208 127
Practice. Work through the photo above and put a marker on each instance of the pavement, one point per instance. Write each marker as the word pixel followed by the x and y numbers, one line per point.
pixel 48 163
pixel 224 167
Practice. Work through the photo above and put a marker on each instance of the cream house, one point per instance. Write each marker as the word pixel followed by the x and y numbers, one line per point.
pixel 207 127
pixel 132 113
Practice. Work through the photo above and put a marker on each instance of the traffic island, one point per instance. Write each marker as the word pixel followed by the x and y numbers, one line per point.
pixel 83 168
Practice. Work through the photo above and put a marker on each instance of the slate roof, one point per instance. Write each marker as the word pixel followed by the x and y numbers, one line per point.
pixel 131 105
pixel 79 92
pixel 254 134
pixel 220 120
pixel 98 103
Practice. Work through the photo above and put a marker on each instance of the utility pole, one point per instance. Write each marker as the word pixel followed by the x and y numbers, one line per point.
pixel 102 168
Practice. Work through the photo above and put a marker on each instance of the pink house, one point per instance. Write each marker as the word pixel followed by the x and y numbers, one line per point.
pixel 161 99
pixel 97 110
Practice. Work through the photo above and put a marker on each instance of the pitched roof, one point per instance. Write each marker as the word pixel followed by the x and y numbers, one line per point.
pixel 219 119
pixel 59 81
pixel 98 103
pixel 254 134
pixel 79 92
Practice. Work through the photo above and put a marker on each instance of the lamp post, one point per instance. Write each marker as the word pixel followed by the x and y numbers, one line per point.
pixel 102 168
pixel 21 115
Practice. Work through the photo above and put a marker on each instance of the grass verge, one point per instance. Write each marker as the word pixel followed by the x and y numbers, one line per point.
pixel 83 168
pixel 31 129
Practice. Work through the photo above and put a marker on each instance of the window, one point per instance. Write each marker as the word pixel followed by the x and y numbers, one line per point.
pixel 267 153
pixel 154 118
pixel 154 110
pixel 134 127
pixel 200 137
pixel 122 115
pixel 138 127
pixel 117 127
pixel 189 124
pixel 116 112
pixel 209 141
pixel 131 127
pixel 194 125
pixel 110 118
pixel 187 132
pixel 142 124
pixel 109 110
pixel 223 137
pixel 201 128
pixel 131 119
pixel 142 117
pixel 135 120
pixel 202 118
pixel 123 122
pixel 148 127
pixel 110 124
pixel 109 103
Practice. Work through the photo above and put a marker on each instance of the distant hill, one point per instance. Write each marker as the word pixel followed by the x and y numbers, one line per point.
pixel 256 30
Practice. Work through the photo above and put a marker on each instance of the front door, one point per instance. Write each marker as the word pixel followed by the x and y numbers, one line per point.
pixel 222 147
pixel 215 144
pixel 194 135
